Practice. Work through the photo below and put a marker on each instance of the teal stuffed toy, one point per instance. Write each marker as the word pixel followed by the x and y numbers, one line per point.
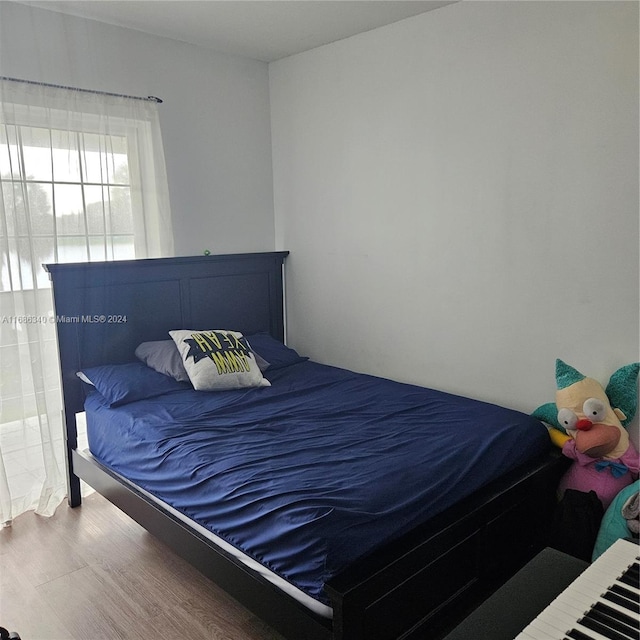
pixel 620 519
pixel 589 423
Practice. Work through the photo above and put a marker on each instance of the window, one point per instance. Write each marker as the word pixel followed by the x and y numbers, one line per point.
pixel 70 198
pixel 82 178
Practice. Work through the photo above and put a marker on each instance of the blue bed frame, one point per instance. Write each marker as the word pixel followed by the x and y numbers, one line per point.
pixel 419 586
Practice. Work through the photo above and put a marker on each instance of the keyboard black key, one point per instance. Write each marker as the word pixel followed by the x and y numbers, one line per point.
pixel 623 618
pixel 631 576
pixel 612 623
pixel 575 634
pixel 622 601
pixel 627 593
pixel 602 629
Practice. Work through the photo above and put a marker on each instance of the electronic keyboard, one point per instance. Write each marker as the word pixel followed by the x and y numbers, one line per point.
pixel 603 603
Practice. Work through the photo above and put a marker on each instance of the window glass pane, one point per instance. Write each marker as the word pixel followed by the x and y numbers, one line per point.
pixel 21 264
pixel 72 249
pixel 95 209
pixel 119 169
pixel 66 159
pixel 117 160
pixel 104 159
pixel 98 248
pixel 111 248
pixel 36 150
pixel 5 264
pixel 22 274
pixel 40 208
pixel 44 252
pixel 123 248
pixel 9 165
pixel 21 260
pixel 94 164
pixel 13 207
pixel 39 199
pixel 121 218
pixel 69 209
pixel 5 164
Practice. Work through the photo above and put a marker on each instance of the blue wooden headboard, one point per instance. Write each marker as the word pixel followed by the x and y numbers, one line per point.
pixel 104 310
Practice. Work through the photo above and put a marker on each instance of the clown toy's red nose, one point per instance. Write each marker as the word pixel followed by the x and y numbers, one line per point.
pixel 584 424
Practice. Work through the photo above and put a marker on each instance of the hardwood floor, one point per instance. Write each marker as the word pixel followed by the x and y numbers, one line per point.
pixel 91 573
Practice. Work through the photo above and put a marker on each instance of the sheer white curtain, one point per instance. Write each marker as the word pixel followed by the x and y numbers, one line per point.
pixel 83 178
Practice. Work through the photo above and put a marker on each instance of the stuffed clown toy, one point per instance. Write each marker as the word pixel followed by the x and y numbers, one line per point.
pixel 589 422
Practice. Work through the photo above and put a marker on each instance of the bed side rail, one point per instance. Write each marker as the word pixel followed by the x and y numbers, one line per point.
pixel 433 577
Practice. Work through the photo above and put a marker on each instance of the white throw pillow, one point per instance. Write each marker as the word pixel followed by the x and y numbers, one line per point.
pixel 218 359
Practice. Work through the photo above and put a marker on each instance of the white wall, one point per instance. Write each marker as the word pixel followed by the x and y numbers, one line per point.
pixel 459 190
pixel 215 116
pixel 459 193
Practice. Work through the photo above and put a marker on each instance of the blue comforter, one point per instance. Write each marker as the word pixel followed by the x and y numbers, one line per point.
pixel 317 470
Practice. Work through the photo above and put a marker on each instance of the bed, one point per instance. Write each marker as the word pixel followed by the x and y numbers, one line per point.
pixel 245 483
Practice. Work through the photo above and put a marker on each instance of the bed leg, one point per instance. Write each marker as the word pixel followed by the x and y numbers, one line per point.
pixel 74 498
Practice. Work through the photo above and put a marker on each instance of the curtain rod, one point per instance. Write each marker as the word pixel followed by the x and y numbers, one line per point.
pixel 102 93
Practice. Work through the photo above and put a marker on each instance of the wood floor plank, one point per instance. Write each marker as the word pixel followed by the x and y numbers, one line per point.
pixel 40 563
pixel 92 606
pixel 23 608
pixel 92 573
pixel 205 621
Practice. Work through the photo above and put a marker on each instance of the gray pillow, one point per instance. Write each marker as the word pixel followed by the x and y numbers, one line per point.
pixel 163 356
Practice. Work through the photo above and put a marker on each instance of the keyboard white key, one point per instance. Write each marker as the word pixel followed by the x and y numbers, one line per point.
pixel 565 618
